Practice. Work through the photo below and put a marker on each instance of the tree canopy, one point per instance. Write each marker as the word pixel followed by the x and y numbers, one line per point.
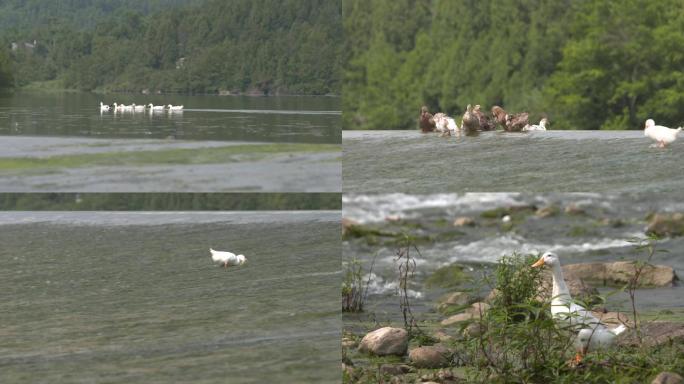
pixel 582 64
pixel 206 46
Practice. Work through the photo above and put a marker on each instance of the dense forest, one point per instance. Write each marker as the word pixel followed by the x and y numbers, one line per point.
pixel 169 201
pixel 205 46
pixel 583 64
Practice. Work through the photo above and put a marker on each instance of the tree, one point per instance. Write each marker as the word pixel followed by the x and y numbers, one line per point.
pixel 6 79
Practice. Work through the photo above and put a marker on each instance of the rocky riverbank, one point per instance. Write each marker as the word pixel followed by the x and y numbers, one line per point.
pixel 452 298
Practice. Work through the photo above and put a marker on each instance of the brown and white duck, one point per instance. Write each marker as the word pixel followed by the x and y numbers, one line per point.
pixel 426 122
pixel 470 123
pixel 510 123
pixel 486 124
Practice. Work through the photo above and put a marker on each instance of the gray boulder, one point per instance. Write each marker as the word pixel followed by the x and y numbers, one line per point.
pixel 619 273
pixel 434 356
pixel 385 341
pixel 453 299
pixel 668 378
pixel 666 224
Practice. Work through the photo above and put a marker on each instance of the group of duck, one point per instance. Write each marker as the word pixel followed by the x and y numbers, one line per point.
pixel 474 120
pixel 139 108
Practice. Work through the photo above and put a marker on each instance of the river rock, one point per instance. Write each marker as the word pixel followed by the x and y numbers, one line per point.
pixel 666 224
pixel 668 378
pixel 443 337
pixel 472 312
pixel 458 318
pixel 453 299
pixel 348 343
pixel 547 211
pixel 578 288
pixel 473 330
pixel 491 296
pixel 619 273
pixel 433 356
pixel 478 308
pixel 613 319
pixel 464 222
pixel 573 209
pixel 395 369
pixel 656 333
pixel 443 376
pixel 385 341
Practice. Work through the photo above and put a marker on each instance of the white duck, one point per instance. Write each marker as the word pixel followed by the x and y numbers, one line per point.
pixel 118 107
pixel 662 135
pixel 138 108
pixel 445 125
pixel 104 107
pixel 175 107
pixel 592 334
pixel 156 108
pixel 227 258
pixel 540 127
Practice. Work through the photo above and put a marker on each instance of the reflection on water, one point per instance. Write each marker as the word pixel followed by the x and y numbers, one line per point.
pixel 551 161
pixel 586 227
pixel 268 119
pixel 104 297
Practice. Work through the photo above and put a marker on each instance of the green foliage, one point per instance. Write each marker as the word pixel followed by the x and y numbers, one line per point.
pixel 260 47
pixel 354 288
pixel 516 282
pixel 449 276
pixel 622 66
pixel 521 343
pixel 584 65
pixel 6 79
pixel 168 201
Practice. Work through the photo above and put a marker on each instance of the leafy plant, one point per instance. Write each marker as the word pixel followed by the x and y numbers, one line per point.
pixel 646 245
pixel 354 289
pixel 406 267
pixel 519 340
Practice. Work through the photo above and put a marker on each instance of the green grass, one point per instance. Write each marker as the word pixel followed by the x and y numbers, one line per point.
pixel 227 154
pixel 449 276
pixel 56 85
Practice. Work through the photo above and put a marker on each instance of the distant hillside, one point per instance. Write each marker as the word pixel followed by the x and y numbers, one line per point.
pixel 23 15
pixel 229 46
pixel 584 64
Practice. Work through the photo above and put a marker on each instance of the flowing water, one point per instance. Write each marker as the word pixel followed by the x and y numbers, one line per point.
pixel 295 119
pixel 601 232
pixel 134 297
pixel 61 142
pixel 551 161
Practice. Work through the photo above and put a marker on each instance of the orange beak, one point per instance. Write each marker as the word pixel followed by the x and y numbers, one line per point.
pixel 538 263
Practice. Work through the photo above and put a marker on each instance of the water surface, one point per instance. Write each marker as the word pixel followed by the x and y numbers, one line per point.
pixel 134 297
pixel 301 119
pixel 551 161
pixel 602 233
pixel 61 142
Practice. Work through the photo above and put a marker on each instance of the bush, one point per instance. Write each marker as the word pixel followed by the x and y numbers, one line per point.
pixel 521 343
pixel 354 288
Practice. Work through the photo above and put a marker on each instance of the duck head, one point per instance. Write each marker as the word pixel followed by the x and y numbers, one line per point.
pixel 241 259
pixel 548 258
pixel 649 123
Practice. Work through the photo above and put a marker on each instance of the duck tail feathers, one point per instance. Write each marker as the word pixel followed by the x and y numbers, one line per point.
pixel 618 330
